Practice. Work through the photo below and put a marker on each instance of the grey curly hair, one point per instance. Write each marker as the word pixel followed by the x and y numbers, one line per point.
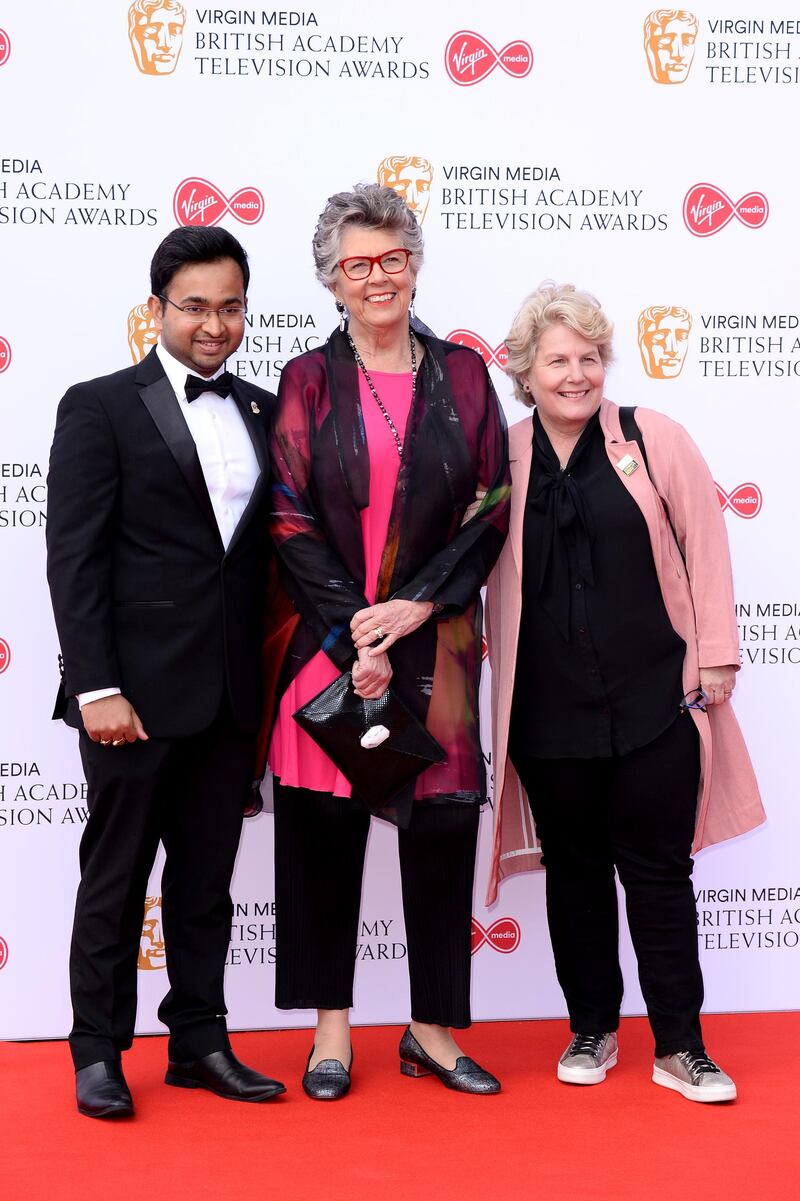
pixel 370 206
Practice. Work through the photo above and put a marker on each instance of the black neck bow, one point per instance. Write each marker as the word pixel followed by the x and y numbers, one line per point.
pixel 195 386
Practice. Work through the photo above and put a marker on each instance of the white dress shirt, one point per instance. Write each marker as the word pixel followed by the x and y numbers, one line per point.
pixel 226 455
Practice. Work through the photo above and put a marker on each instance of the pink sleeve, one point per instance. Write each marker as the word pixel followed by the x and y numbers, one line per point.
pixel 694 508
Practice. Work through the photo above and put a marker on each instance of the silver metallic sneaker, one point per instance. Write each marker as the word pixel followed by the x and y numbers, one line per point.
pixel 695 1075
pixel 587 1058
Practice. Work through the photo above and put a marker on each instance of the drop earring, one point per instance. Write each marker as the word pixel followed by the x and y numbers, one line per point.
pixel 341 310
pixel 411 313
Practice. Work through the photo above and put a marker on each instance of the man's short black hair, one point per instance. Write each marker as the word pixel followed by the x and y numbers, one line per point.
pixel 189 244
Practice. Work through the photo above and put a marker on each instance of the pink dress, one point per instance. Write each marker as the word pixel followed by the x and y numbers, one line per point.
pixel 294 757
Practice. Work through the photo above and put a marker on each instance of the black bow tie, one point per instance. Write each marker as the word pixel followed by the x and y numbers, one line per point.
pixel 195 386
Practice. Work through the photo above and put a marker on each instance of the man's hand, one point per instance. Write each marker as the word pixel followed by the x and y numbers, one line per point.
pixel 371 675
pixel 390 620
pixel 718 683
pixel 112 721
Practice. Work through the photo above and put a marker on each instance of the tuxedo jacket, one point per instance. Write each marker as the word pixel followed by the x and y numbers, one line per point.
pixel 145 595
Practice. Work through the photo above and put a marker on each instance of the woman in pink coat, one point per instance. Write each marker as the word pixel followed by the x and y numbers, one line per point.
pixel 614 651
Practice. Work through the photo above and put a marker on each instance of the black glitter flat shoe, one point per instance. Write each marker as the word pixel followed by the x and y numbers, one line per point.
pixel 329 1081
pixel 466 1077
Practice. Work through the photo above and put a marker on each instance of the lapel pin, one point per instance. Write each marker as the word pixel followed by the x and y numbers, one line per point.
pixel 627 465
pixel 254 407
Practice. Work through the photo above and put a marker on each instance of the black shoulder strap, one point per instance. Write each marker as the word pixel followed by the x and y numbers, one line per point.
pixel 631 431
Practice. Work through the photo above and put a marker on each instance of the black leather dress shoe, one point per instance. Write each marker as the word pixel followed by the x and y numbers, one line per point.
pixel 466 1077
pixel 101 1090
pixel 223 1074
pixel 329 1080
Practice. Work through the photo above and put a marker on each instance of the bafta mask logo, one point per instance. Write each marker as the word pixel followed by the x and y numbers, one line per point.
pixel 155 29
pixel 5 47
pixel 151 944
pixel 664 339
pixel 411 177
pixel 669 38
pixel 5 354
pixel 142 333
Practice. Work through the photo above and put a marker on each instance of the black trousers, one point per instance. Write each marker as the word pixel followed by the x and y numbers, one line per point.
pixel 320 843
pixel 189 793
pixel 635 812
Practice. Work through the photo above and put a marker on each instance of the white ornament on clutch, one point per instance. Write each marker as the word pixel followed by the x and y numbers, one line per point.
pixel 374 736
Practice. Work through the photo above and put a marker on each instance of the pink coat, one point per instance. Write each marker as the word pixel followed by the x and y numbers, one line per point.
pixel 699 600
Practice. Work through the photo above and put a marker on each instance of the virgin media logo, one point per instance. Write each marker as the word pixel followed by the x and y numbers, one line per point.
pixel 198 202
pixel 503 935
pixel 466 337
pixel 3 953
pixel 5 47
pixel 469 58
pixel 5 354
pixel 745 501
pixel 5 655
pixel 707 210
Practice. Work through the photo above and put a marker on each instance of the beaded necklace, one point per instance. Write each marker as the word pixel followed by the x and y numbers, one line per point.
pixel 374 390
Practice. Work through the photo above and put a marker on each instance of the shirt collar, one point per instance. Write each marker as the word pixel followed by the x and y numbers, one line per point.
pixel 176 372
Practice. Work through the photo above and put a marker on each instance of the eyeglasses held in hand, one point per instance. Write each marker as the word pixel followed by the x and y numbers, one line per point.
pixel 694 700
pixel 391 262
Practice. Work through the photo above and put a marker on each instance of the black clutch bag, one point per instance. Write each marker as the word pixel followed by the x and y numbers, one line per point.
pixel 380 746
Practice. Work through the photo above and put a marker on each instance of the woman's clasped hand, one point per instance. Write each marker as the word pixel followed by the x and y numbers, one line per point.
pixel 374 630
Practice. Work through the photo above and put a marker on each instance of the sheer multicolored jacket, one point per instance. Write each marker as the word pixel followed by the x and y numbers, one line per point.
pixel 448 523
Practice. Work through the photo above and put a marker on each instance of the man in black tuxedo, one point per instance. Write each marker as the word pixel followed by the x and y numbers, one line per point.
pixel 157 563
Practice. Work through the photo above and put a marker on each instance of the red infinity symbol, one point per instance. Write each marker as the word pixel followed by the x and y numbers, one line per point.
pixel 5 354
pixel 469 58
pixel 503 935
pixel 5 47
pixel 3 952
pixel 198 202
pixel 5 655
pixel 466 337
pixel 745 501
pixel 707 210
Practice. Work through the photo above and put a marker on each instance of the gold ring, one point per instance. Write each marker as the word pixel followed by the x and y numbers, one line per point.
pixel 105 742
pixel 117 741
pixel 377 632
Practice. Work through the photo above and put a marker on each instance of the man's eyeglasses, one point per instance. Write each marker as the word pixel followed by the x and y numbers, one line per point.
pixel 694 700
pixel 392 262
pixel 231 313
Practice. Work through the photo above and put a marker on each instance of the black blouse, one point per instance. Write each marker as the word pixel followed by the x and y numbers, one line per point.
pixel 599 666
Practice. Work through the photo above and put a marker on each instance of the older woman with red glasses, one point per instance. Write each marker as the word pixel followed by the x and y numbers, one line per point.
pixel 391 497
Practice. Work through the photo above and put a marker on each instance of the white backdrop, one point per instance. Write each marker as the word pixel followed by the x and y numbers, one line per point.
pixel 576 167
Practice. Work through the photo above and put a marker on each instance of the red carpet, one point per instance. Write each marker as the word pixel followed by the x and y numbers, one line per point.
pixel 396 1139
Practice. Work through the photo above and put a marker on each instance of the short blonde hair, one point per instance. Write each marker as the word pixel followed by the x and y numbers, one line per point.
pixel 552 304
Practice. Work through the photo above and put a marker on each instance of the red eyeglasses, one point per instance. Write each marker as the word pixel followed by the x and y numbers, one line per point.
pixel 359 266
